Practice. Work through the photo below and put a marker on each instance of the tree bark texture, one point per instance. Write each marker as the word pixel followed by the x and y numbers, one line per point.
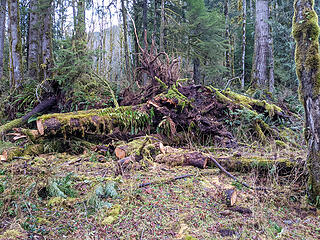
pixel 307 57
pixel 125 36
pixel 46 10
pixel 15 61
pixel 261 71
pixel 244 24
pixel 2 33
pixel 162 27
pixel 33 48
pixel 196 71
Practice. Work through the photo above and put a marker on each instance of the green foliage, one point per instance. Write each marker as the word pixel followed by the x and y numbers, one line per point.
pixel 61 187
pixel 100 193
pixel 242 123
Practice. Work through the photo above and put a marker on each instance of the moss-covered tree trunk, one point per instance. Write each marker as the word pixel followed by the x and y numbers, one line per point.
pixel 33 38
pixel 15 61
pixel 306 34
pixel 46 11
pixel 2 33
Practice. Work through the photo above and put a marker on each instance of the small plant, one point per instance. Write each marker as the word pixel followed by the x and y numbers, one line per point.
pixel 62 187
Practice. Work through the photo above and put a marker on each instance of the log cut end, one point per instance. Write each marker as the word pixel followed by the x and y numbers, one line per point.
pixel 40 127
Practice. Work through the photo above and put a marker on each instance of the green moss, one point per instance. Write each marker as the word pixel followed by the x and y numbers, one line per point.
pixel 101 121
pixel 261 136
pixel 188 237
pixel 173 93
pixel 221 97
pixel 8 126
pixel 109 216
pixel 251 103
pixel 280 144
pixel 307 57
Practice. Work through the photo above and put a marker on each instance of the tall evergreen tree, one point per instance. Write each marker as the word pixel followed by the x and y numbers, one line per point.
pixel 46 14
pixel 262 72
pixel 33 39
pixel 306 34
pixel 3 5
pixel 15 51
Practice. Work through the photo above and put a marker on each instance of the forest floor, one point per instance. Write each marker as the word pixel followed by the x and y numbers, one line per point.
pixel 96 203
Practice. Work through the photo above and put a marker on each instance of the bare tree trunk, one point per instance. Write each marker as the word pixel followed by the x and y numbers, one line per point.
pixel 125 35
pixel 227 62
pixel 46 11
pixel 145 18
pixel 244 23
pixel 162 27
pixel 16 68
pixel 261 71
pixel 33 49
pixel 306 34
pixel 196 70
pixel 2 33
pixel 271 64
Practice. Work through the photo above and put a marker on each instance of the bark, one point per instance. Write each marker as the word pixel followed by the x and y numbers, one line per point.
pixel 15 61
pixel 162 27
pixel 195 159
pixel 145 20
pixel 33 48
pixel 46 10
pixel 80 25
pixel 307 57
pixel 262 73
pixel 271 64
pixel 227 34
pixel 244 23
pixel 196 71
pixel 136 46
pixel 2 33
pixel 126 44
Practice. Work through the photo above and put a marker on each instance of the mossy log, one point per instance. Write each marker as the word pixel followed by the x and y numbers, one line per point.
pixel 181 157
pixel 262 165
pixel 195 159
pixel 94 122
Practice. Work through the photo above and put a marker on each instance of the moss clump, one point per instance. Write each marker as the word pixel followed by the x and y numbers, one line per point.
pixel 109 216
pixel 251 103
pixel 8 126
pixel 188 237
pixel 280 144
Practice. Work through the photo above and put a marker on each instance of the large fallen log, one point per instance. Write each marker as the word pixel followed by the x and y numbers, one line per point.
pixel 94 122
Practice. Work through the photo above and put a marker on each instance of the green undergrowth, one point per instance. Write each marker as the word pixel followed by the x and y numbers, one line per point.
pixel 72 196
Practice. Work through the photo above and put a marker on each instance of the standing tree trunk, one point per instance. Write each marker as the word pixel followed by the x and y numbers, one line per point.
pixel 33 48
pixel 145 19
pixel 2 33
pixel 80 30
pixel 244 23
pixel 162 27
pixel 46 12
pixel 261 70
pixel 307 57
pixel 196 70
pixel 125 35
pixel 227 35
pixel 15 61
